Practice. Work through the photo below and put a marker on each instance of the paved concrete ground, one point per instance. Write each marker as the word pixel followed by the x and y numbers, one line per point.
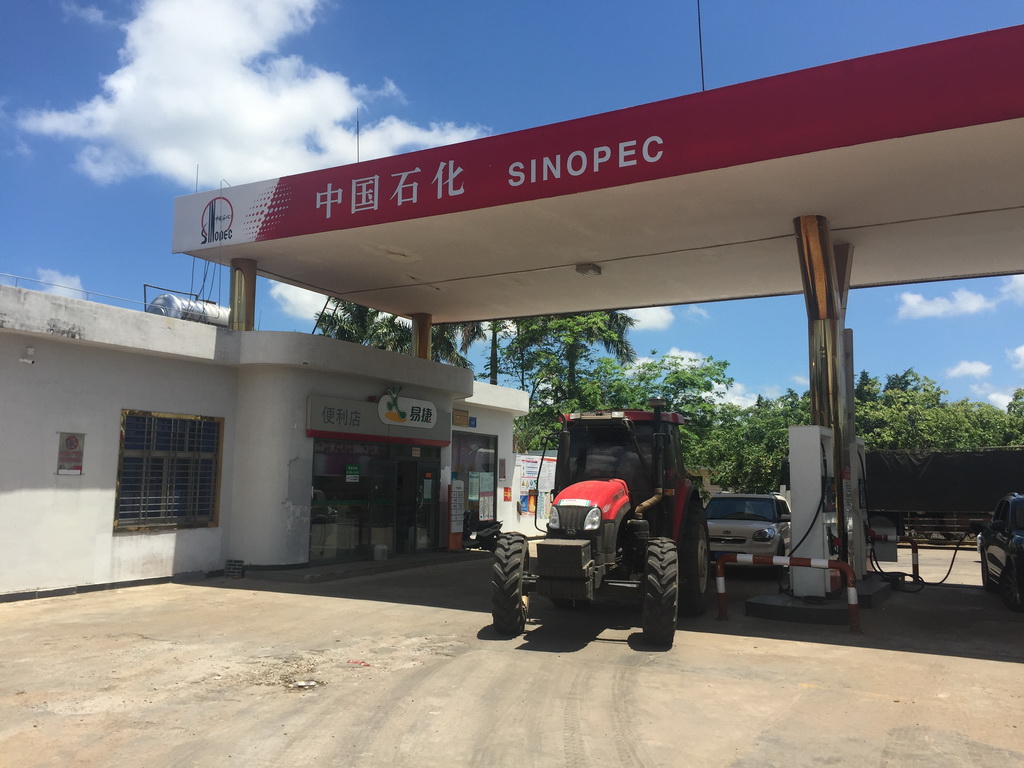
pixel 409 673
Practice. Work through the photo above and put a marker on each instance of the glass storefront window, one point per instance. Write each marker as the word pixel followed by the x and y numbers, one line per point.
pixel 474 462
pixel 370 495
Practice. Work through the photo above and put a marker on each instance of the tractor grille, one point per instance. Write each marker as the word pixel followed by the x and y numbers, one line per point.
pixel 571 519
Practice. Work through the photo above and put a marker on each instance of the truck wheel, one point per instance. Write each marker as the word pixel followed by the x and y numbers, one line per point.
pixel 694 562
pixel 986 577
pixel 507 610
pixel 1010 590
pixel 661 592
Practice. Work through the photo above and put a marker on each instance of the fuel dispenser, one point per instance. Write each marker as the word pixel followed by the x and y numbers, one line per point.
pixel 815 532
pixel 813 500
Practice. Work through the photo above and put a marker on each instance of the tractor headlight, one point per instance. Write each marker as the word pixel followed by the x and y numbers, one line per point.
pixel 765 534
pixel 553 521
pixel 593 520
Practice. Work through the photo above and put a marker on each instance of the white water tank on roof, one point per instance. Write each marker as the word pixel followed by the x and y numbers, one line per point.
pixel 195 310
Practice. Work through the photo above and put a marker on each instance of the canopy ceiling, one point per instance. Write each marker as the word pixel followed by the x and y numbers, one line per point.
pixel 915 156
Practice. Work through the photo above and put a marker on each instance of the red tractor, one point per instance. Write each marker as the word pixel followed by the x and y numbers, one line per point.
pixel 624 517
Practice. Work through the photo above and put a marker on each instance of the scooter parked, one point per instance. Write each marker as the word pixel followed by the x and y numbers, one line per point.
pixel 479 534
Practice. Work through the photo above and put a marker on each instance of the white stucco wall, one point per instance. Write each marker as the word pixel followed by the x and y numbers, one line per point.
pixel 58 529
pixel 92 361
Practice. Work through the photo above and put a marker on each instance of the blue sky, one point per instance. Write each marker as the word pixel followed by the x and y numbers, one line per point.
pixel 108 110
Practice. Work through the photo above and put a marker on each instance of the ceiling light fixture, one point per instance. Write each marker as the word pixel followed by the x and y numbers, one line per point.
pixel 589 270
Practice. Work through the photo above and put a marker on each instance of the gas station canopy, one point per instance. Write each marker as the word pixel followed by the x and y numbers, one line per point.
pixel 916 158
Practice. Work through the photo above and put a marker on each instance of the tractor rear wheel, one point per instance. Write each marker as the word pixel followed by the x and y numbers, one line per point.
pixel 661 592
pixel 508 613
pixel 694 562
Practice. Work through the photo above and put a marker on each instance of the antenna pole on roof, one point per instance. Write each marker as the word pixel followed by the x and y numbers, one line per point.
pixel 700 45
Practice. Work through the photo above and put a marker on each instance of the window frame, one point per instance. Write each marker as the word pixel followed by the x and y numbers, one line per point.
pixel 184 453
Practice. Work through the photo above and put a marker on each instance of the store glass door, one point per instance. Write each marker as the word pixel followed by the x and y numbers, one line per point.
pixel 417 511
pixel 371 496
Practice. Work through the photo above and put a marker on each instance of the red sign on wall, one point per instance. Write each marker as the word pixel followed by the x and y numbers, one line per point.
pixel 70 452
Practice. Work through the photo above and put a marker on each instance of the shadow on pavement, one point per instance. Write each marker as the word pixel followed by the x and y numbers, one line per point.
pixel 946 619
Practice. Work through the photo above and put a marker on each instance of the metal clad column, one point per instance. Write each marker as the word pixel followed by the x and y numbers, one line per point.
pixel 825 295
pixel 243 294
pixel 421 324
pixel 856 513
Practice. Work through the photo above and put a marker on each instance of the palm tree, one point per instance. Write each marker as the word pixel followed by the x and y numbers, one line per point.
pixel 357 324
pixel 584 330
pixel 475 331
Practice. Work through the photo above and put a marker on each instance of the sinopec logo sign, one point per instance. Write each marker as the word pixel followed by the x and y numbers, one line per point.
pixel 218 217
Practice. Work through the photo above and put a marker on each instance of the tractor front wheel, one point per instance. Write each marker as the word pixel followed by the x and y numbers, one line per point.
pixel 661 592
pixel 508 612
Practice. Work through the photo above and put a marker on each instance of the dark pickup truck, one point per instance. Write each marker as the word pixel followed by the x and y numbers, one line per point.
pixel 1001 546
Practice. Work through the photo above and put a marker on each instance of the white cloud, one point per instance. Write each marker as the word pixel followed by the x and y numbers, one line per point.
pixel 90 14
pixel 298 302
pixel 969 368
pixel 1016 356
pixel 218 95
pixel 60 284
pixel 1013 289
pixel 1000 399
pixel 688 358
pixel 692 358
pixel 915 306
pixel 988 392
pixel 303 304
pixel 651 318
pixel 699 312
pixel 801 381
pixel 737 394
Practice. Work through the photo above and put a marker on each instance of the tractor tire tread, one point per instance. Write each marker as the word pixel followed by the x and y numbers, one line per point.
pixel 660 592
pixel 508 613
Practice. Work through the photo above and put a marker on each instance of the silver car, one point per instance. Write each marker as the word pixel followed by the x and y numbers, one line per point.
pixel 749 523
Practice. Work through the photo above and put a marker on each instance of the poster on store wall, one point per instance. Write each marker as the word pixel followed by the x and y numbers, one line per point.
pixel 486 507
pixel 457 505
pixel 533 477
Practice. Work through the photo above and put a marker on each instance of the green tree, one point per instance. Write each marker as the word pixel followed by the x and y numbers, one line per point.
pixel 746 448
pixel 691 387
pixel 357 324
pixel 1016 406
pixel 552 358
pixel 909 413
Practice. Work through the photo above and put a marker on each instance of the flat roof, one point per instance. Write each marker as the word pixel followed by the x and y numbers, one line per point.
pixel 914 155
